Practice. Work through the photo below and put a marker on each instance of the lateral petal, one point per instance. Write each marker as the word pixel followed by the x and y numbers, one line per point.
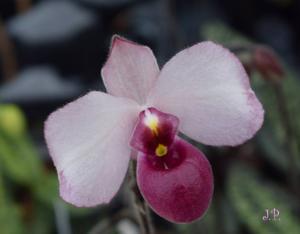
pixel 207 88
pixel 88 140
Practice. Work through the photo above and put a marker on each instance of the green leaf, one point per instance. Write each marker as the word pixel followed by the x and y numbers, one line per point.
pixel 19 159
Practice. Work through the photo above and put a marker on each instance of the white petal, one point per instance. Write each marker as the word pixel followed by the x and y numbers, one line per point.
pixel 207 88
pixel 88 142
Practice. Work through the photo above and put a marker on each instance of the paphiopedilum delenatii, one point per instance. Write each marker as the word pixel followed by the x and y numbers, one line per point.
pixel 203 92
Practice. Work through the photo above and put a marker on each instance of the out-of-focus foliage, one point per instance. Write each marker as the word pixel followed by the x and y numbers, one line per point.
pixel 273 135
pixel 251 196
pixel 21 165
pixel 10 213
pixel 220 33
pixel 18 156
pixel 12 120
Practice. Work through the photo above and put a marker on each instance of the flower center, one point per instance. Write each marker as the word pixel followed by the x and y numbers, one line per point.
pixel 154 132
pixel 161 150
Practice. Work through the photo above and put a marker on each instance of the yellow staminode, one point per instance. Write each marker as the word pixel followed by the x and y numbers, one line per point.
pixel 161 150
pixel 151 121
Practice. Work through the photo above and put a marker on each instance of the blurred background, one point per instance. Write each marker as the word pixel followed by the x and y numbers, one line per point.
pixel 51 52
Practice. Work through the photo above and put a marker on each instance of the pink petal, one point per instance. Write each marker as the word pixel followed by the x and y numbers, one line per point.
pixel 180 193
pixel 130 70
pixel 88 142
pixel 207 88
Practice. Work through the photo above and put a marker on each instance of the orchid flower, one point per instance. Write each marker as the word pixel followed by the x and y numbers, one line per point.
pixel 202 92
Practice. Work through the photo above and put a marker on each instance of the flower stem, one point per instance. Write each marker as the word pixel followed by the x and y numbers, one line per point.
pixel 140 206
